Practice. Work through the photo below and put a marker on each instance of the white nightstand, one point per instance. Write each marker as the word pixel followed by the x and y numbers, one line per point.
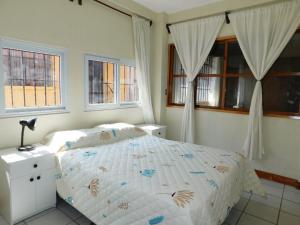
pixel 154 129
pixel 27 183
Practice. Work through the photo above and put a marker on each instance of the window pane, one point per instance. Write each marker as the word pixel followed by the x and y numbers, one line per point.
pixel 129 91
pixel 31 79
pixel 289 59
pixel 177 67
pixel 214 63
pixel 239 92
pixel 206 87
pixel 101 82
pixel 281 94
pixel 208 91
pixel 179 90
pixel 236 62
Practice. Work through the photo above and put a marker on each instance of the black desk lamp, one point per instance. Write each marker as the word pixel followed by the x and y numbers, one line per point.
pixel 30 124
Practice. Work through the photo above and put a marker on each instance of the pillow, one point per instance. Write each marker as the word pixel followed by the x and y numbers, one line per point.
pixel 56 140
pixel 102 134
pixel 124 130
pixel 91 140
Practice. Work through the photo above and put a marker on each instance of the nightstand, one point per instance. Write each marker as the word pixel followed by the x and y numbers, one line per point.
pixel 27 182
pixel 154 129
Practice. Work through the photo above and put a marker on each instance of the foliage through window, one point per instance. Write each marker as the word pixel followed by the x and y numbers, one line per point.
pixel 110 82
pixel 226 82
pixel 32 78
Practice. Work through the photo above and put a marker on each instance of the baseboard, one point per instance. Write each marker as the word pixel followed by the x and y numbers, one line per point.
pixel 278 178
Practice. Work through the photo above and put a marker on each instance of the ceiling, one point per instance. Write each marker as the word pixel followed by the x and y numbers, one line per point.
pixel 171 6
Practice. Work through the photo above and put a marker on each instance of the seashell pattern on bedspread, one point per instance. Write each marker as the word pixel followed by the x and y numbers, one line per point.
pixel 147 180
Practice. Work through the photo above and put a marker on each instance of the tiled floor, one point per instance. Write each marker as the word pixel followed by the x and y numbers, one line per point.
pixel 282 207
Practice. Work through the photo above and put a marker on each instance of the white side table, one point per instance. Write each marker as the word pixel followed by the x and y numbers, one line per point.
pixel 154 129
pixel 27 182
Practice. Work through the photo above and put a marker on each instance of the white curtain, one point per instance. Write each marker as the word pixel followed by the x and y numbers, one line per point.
pixel 262 34
pixel 193 41
pixel 141 33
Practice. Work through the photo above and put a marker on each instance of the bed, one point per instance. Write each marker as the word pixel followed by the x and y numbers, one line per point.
pixel 118 175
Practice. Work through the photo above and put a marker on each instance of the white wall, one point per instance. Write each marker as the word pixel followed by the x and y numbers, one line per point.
pixel 227 130
pixel 90 28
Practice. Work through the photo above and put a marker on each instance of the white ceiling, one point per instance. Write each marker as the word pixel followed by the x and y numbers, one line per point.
pixel 171 6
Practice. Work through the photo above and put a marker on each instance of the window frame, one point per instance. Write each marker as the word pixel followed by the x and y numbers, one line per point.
pixel 36 48
pixel 107 106
pixel 226 40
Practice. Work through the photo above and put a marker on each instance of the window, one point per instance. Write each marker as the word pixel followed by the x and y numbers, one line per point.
pixel 32 77
pixel 110 83
pixel 226 82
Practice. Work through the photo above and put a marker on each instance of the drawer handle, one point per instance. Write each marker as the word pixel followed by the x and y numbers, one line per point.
pixel 31 179
pixel 35 166
pixel 38 177
pixel 159 133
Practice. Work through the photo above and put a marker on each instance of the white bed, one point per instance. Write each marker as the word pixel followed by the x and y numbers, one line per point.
pixel 137 179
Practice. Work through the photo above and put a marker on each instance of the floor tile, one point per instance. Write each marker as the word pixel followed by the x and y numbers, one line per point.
pixel 55 217
pixel 40 214
pixel 233 217
pixel 241 204
pixel 246 195
pixel 69 210
pixel 251 220
pixel 290 207
pixel 272 183
pixel 83 221
pixel 269 200
pixel 262 211
pixel 272 188
pixel 288 219
pixel 291 194
pixel 2 221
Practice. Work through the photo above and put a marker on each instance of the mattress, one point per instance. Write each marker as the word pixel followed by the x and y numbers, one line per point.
pixel 147 180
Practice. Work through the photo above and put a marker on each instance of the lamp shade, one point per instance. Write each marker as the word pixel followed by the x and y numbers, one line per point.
pixel 29 123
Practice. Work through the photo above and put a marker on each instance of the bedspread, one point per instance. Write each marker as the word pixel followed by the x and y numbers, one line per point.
pixel 148 180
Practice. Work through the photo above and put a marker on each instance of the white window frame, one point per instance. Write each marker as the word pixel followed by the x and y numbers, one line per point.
pixel 38 48
pixel 105 106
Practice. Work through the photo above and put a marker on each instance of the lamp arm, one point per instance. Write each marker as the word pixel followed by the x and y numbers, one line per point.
pixel 22 136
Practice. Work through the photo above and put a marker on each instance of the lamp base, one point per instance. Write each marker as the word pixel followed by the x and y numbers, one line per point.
pixel 26 148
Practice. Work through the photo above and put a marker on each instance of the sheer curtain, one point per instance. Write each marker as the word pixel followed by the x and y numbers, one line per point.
pixel 193 41
pixel 262 34
pixel 141 33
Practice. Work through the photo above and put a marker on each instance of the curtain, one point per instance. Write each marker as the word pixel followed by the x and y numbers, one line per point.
pixel 193 41
pixel 141 33
pixel 262 34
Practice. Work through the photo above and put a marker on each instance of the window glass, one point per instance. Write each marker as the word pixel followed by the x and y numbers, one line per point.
pixel 289 59
pixel 239 92
pixel 31 79
pixel 128 84
pixel 208 91
pixel 281 94
pixel 101 82
pixel 236 62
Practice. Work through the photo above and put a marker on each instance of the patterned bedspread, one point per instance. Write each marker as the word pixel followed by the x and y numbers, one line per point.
pixel 147 181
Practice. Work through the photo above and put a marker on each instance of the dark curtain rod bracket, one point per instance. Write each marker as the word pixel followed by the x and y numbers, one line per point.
pixel 227 20
pixel 113 8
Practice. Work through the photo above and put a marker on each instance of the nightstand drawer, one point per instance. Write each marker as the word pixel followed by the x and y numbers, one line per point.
pixel 30 166
pixel 154 129
pixel 159 133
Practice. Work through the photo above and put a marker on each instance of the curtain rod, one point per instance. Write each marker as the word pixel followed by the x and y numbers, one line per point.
pixel 226 15
pixel 118 10
pixel 187 20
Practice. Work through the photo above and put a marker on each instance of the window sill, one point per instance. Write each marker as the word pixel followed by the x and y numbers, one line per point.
pixel 17 113
pixel 91 108
pixel 232 111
